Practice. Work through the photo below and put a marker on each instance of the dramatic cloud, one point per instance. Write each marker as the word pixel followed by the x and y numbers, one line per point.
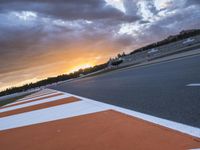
pixel 46 38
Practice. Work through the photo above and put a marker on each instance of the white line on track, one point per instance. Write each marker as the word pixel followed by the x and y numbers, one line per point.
pixel 193 84
pixel 34 103
pixel 27 98
pixel 30 99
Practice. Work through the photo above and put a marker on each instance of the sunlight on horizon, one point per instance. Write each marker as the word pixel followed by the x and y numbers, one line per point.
pixel 78 67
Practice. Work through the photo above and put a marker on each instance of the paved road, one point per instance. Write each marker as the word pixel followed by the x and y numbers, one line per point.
pixel 158 89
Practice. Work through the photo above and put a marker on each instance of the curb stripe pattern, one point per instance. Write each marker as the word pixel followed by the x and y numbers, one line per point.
pixel 58 106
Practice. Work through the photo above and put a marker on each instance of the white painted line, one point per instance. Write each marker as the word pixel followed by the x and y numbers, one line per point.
pixel 30 99
pixel 27 98
pixel 193 131
pixel 49 114
pixel 37 94
pixel 193 84
pixel 35 102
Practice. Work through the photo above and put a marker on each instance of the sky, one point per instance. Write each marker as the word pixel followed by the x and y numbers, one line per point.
pixel 43 38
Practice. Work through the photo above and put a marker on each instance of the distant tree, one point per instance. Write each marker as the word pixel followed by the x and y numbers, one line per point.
pixel 116 63
pixel 123 54
pixel 119 55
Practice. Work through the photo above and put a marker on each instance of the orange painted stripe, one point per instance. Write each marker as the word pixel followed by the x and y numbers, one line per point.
pixel 108 130
pixel 37 99
pixel 39 106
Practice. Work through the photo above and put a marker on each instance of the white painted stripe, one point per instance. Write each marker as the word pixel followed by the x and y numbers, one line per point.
pixel 193 84
pixel 29 97
pixel 193 131
pixel 17 102
pixel 34 103
pixel 49 114
pixel 37 94
pixel 41 92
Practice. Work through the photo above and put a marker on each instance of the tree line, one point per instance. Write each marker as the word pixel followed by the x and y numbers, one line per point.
pixel 53 79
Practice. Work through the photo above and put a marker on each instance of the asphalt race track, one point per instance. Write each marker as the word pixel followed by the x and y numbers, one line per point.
pixel 159 89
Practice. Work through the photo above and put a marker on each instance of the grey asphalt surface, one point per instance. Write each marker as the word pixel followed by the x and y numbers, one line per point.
pixel 159 89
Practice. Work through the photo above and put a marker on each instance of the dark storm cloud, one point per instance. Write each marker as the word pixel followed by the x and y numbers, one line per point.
pixel 70 9
pixel 30 40
pixel 192 2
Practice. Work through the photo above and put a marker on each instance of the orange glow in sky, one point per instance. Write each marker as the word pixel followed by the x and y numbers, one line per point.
pixel 83 66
